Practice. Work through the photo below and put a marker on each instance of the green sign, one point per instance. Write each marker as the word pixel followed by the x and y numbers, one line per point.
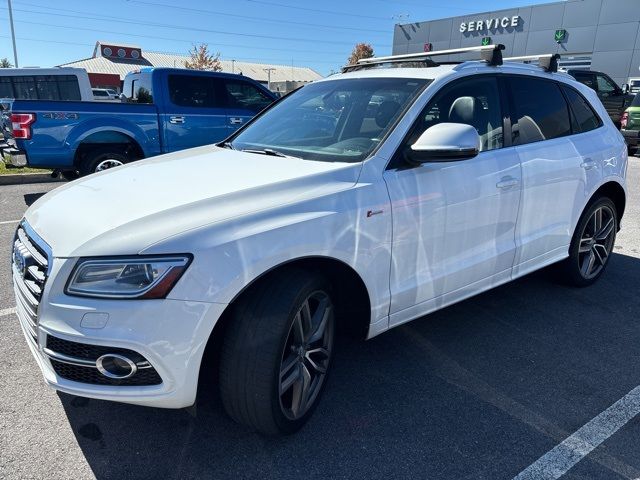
pixel 560 35
pixel 486 41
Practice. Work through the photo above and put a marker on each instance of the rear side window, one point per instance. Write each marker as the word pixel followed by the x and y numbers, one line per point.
pixel 541 113
pixel 584 118
pixel 244 95
pixel 193 91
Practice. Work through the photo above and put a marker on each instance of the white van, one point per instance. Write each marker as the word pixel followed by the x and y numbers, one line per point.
pixel 71 84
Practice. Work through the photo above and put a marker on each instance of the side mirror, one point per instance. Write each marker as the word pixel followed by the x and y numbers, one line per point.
pixel 446 142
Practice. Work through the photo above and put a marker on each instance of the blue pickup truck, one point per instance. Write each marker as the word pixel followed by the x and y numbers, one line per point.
pixel 162 110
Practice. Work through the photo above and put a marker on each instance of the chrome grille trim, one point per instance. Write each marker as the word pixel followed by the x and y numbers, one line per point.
pixel 30 268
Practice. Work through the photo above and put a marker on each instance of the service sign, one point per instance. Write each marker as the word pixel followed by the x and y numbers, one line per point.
pixel 490 23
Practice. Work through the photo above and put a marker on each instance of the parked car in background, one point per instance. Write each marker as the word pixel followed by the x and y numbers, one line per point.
pixel 166 110
pixel 614 99
pixel 631 124
pixel 357 203
pixel 66 84
pixel 105 95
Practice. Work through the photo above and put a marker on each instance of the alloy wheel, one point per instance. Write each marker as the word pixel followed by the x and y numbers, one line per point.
pixel 107 164
pixel 596 242
pixel 306 356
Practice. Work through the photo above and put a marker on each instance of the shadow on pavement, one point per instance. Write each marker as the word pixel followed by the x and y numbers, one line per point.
pixel 30 198
pixel 478 390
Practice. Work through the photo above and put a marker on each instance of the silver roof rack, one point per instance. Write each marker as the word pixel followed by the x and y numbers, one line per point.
pixel 548 61
pixel 492 54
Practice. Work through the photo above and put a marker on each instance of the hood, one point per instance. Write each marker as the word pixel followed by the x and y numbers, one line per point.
pixel 123 210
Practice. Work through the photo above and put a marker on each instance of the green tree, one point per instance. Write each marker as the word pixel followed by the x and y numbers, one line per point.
pixel 361 50
pixel 5 63
pixel 201 59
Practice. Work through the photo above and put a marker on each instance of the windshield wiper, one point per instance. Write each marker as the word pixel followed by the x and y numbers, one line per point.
pixel 266 151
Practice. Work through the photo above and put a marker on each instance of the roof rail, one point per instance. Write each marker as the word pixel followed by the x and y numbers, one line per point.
pixel 547 61
pixel 492 54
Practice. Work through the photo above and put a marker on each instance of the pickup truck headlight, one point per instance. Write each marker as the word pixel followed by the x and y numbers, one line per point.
pixel 141 277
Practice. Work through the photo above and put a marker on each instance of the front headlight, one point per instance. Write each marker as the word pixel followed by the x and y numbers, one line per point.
pixel 128 277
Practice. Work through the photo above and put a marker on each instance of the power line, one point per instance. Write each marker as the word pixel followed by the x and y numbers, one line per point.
pixel 247 17
pixel 317 10
pixel 191 28
pixel 240 59
pixel 182 40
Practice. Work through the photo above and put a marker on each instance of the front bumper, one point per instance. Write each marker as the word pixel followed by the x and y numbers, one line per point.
pixel 632 137
pixel 13 156
pixel 171 335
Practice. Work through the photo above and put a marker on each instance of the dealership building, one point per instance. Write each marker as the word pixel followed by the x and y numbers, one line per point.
pixel 111 61
pixel 602 35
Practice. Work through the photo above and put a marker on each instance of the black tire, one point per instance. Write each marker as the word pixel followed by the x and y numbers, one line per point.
pixel 574 269
pixel 260 343
pixel 70 175
pixel 94 159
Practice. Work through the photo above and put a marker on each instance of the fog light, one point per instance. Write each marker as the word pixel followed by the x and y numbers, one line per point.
pixel 116 366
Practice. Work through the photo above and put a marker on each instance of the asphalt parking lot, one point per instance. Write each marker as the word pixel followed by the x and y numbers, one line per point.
pixel 482 389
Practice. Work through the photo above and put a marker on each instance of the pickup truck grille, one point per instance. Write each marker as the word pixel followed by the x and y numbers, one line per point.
pixel 30 267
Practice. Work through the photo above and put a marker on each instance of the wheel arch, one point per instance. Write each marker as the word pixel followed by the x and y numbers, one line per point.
pixel 353 303
pixel 104 138
pixel 616 193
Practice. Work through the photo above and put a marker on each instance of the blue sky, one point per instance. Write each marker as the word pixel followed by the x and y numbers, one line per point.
pixel 319 35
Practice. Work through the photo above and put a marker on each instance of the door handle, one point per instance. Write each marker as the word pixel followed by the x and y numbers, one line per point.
pixel 507 182
pixel 235 120
pixel 588 164
pixel 176 119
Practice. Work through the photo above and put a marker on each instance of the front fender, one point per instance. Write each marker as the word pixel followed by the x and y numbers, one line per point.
pixel 231 255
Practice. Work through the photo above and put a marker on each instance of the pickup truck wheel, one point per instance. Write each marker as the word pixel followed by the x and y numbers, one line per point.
pixel 101 159
pixel 592 243
pixel 276 353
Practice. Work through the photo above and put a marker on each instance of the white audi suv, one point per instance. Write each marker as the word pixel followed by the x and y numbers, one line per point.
pixel 355 204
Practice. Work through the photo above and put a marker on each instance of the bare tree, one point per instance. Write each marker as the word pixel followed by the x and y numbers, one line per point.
pixel 201 59
pixel 5 63
pixel 361 50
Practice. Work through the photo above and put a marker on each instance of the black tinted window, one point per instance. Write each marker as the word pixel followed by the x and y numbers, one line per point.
pixel 636 101
pixel 6 87
pixel 475 102
pixel 68 87
pixel 25 88
pixel 586 78
pixel 244 95
pixel 193 91
pixel 541 112
pixel 584 118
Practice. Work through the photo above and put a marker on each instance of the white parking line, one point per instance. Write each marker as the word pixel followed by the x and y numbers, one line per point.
pixel 7 222
pixel 557 461
pixel 7 311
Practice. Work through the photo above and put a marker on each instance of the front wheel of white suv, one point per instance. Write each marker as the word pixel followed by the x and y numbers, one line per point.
pixel 592 243
pixel 276 352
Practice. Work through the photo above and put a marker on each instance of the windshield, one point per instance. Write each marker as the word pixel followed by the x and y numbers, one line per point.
pixel 340 120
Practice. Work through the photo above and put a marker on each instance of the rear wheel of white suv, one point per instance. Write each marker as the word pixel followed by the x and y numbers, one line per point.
pixel 592 243
pixel 276 352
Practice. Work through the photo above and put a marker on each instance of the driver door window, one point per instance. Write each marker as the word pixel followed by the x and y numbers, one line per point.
pixel 604 85
pixel 474 102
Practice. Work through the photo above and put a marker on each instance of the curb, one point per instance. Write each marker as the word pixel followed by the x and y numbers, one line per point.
pixel 26 178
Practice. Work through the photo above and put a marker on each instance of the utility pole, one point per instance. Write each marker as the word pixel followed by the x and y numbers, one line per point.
pixel 269 70
pixel 13 35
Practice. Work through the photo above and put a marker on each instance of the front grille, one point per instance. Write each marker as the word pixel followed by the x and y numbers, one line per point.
pixel 29 267
pixel 143 377
pixel 146 374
